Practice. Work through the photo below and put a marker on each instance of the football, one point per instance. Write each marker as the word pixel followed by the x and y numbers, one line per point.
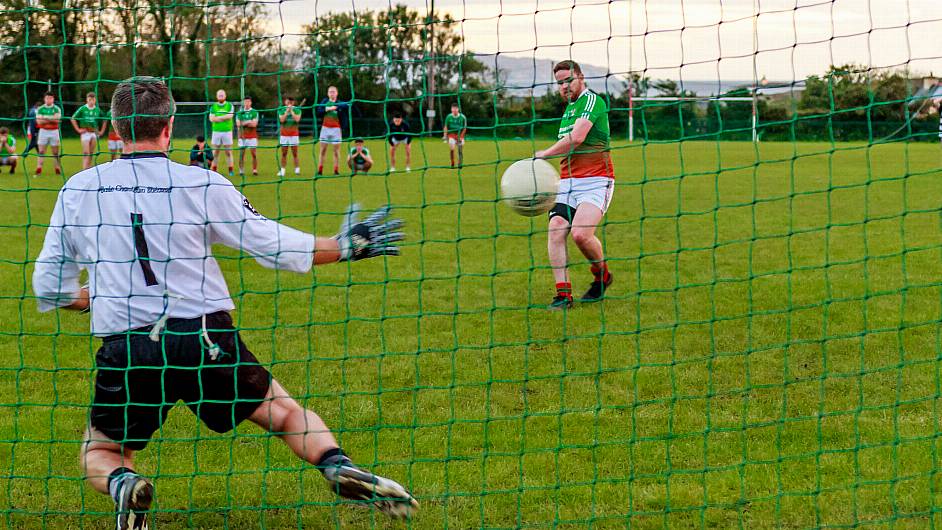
pixel 529 186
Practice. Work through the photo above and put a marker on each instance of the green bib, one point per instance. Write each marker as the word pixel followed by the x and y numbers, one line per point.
pixel 222 110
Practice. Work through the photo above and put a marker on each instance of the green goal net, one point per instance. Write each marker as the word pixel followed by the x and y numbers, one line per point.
pixel 767 356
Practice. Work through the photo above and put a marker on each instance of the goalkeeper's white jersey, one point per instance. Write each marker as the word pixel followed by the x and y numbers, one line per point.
pixel 143 227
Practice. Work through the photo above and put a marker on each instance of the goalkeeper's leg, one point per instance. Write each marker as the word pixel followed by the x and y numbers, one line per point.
pixel 109 468
pixel 307 435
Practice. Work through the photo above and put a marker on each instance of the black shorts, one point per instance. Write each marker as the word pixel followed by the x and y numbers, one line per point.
pixel 563 210
pixel 139 381
pixel 395 140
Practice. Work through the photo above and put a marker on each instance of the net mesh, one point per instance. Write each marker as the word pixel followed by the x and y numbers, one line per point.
pixel 768 355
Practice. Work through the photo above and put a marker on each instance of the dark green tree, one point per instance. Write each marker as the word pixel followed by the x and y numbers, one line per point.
pixel 381 61
pixel 86 45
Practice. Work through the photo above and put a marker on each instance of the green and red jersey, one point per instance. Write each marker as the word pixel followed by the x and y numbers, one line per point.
pixel 456 124
pixel 8 147
pixel 243 116
pixel 332 117
pixel 591 158
pixel 289 127
pixel 112 132
pixel 88 117
pixel 48 112
pixel 359 157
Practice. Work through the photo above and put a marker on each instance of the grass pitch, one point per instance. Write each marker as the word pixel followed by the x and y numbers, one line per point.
pixel 768 354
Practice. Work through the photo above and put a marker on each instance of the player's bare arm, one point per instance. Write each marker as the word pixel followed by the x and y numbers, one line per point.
pixel 568 143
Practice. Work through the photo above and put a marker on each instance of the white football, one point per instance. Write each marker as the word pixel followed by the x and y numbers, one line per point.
pixel 529 186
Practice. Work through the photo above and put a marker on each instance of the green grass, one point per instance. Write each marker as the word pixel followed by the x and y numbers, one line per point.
pixel 769 354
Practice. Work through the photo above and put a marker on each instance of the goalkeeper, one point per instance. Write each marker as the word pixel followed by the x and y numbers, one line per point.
pixel 160 303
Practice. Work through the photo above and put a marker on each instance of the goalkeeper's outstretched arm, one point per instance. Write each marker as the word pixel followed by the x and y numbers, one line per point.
pixel 374 236
pixel 235 223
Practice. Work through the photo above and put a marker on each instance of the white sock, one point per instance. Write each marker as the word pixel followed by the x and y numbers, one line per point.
pixel 114 487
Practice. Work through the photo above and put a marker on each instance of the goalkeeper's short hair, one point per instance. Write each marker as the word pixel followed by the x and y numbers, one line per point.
pixel 141 108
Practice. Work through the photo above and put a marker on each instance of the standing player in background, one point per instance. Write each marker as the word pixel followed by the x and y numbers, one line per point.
pixel 247 122
pixel 48 116
pixel 586 185
pixel 161 305
pixel 88 122
pixel 289 120
pixel 115 145
pixel 334 115
pixel 399 134
pixel 7 149
pixel 32 130
pixel 359 158
pixel 456 125
pixel 221 114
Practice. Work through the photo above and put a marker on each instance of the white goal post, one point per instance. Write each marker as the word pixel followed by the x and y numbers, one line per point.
pixel 632 99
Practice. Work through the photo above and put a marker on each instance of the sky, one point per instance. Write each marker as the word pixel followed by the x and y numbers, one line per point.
pixel 781 40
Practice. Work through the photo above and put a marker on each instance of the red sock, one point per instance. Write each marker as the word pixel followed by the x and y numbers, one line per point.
pixel 564 289
pixel 600 271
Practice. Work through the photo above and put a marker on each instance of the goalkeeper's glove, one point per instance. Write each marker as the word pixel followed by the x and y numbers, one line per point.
pixel 368 238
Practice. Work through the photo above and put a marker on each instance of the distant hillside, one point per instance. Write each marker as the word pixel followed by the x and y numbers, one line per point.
pixel 519 74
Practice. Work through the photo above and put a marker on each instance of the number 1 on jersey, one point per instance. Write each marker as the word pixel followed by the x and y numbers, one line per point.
pixel 140 244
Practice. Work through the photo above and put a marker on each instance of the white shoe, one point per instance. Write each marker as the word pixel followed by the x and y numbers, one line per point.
pixel 281 172
pixel 297 171
pixel 408 169
pixel 392 170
